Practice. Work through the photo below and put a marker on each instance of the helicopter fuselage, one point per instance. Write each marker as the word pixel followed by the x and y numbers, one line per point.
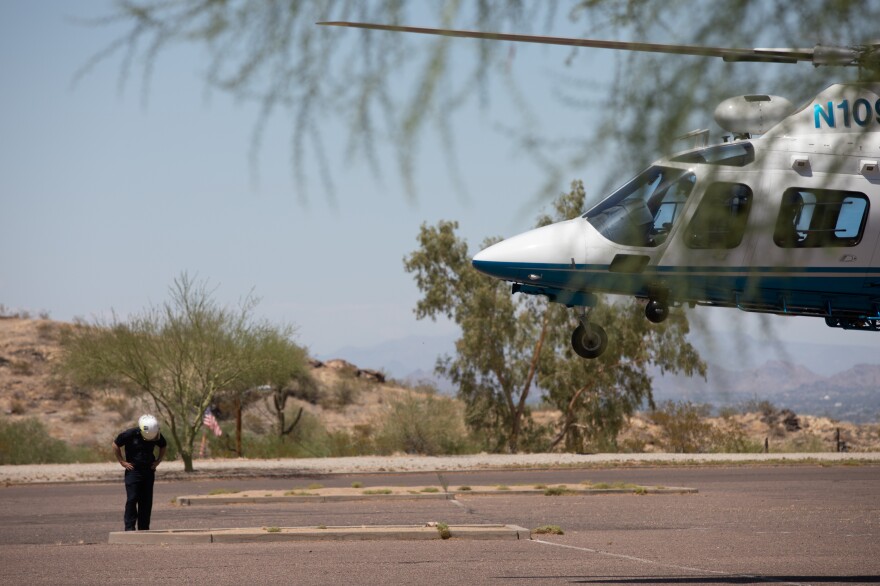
pixel 787 223
pixel 780 224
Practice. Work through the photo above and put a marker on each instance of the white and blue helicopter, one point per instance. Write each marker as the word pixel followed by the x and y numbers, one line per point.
pixel 782 219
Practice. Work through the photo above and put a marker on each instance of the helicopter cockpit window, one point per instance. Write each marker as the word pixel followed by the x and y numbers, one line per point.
pixel 720 220
pixel 811 218
pixel 735 154
pixel 642 212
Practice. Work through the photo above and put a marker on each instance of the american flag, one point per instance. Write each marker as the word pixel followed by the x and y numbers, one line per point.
pixel 209 421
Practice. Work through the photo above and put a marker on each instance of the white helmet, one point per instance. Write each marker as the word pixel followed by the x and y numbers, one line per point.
pixel 149 427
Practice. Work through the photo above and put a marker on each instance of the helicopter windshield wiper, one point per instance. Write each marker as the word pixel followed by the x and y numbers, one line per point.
pixel 819 55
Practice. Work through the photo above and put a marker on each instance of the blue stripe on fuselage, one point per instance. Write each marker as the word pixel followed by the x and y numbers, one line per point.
pixel 809 286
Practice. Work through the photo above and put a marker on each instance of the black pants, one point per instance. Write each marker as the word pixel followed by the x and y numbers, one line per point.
pixel 139 499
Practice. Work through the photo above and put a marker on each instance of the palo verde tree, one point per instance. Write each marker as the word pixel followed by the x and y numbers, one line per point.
pixel 510 345
pixel 278 369
pixel 287 375
pixel 180 354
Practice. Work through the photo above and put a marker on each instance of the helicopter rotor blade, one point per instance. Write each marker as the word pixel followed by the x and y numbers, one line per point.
pixel 829 55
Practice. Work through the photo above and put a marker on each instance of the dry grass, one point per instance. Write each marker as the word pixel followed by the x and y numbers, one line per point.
pixel 29 349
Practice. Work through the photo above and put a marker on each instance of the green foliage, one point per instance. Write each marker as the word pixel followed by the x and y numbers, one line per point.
pixel 342 394
pixel 284 370
pixel 27 441
pixel 310 439
pixel 501 336
pixel 611 485
pixel 378 491
pixel 423 424
pixel 686 430
pixel 181 354
pixel 510 343
pixel 684 427
pixel 560 490
pixel 443 528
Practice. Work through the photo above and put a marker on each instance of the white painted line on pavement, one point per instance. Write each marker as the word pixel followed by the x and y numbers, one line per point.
pixel 667 565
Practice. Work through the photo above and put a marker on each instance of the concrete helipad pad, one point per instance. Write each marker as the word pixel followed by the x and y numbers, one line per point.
pixel 358 533
pixel 326 495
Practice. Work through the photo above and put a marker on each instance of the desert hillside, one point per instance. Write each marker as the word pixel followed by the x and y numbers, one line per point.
pixel 345 399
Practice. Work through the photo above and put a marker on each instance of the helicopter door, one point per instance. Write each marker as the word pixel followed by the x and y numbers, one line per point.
pixel 713 248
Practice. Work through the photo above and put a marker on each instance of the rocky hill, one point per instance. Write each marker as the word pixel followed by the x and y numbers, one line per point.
pixel 351 399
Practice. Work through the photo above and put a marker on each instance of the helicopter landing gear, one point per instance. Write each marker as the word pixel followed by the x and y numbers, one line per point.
pixel 588 340
pixel 657 311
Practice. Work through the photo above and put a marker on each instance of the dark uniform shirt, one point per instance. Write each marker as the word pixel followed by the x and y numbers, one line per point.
pixel 139 451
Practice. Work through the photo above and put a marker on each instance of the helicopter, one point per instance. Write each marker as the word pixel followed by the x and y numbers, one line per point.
pixel 777 218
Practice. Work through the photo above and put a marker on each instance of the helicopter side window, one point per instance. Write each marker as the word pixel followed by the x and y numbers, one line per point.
pixel 812 218
pixel 642 212
pixel 720 220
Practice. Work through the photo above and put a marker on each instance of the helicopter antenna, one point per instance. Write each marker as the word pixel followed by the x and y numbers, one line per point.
pixel 862 56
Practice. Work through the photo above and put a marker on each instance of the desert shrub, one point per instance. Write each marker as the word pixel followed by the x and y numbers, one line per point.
pixel 685 429
pixel 17 405
pixel 727 411
pixel 343 443
pixel 443 528
pixel 21 367
pixel 423 424
pixel 48 331
pixel 9 313
pixel 345 393
pixel 310 439
pixel 806 442
pixel 632 445
pixel 28 442
pixel 766 409
pixel 342 394
pixel 122 405
pixel 729 438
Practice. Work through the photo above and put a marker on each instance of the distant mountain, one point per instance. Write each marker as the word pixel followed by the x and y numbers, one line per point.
pixel 851 395
pixel 842 382
pixel 740 351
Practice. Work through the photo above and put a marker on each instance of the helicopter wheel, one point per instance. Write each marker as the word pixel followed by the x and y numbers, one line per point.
pixel 589 340
pixel 656 311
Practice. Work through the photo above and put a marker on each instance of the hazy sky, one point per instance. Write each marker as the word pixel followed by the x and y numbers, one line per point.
pixel 105 200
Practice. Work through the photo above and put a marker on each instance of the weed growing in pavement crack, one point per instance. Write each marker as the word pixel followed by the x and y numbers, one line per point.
pixel 443 528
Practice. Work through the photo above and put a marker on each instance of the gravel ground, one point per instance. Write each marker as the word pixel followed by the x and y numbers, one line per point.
pixel 232 468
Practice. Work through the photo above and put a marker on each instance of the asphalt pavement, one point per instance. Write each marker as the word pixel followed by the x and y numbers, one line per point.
pixel 807 524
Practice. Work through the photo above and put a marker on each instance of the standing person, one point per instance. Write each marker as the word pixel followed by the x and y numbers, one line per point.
pixel 140 465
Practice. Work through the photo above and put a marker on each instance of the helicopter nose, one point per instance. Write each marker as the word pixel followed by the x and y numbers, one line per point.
pixel 528 256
